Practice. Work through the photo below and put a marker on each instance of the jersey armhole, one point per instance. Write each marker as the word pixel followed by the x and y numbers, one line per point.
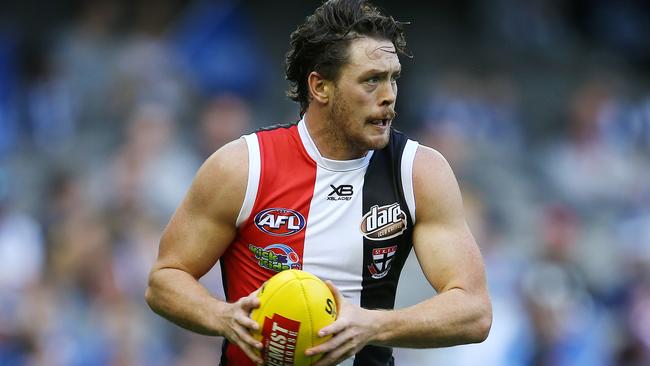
pixel 408 156
pixel 254 165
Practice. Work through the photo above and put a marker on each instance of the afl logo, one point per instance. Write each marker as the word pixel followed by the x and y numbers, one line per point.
pixel 279 221
pixel 383 222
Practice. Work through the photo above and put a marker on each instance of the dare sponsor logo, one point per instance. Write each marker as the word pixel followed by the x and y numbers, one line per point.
pixel 279 337
pixel 276 257
pixel 383 222
pixel 279 221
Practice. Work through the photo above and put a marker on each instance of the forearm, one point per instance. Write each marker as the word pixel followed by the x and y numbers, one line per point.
pixel 451 318
pixel 178 297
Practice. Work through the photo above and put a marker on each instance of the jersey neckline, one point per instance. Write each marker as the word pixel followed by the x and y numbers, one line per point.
pixel 336 165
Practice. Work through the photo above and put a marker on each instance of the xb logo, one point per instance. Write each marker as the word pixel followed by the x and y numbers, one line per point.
pixel 341 193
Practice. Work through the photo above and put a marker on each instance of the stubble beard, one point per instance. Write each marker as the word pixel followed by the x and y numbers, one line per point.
pixel 341 132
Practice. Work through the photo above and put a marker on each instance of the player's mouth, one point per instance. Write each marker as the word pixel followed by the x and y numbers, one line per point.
pixel 380 122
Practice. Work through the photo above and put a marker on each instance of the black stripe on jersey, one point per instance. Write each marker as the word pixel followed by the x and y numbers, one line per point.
pixel 276 126
pixel 383 187
pixel 224 346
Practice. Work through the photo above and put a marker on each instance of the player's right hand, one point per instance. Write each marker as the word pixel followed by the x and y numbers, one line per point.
pixel 237 326
pixel 353 329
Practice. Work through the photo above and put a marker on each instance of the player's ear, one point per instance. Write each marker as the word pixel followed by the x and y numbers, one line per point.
pixel 319 87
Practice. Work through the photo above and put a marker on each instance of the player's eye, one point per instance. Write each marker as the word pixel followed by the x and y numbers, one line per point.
pixel 373 80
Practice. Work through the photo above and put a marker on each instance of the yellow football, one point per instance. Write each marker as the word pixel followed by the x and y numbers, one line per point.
pixel 294 306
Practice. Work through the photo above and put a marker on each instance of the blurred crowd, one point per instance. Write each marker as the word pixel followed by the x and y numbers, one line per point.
pixel 105 119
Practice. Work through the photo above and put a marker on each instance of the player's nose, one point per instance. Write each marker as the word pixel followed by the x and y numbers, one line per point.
pixel 388 94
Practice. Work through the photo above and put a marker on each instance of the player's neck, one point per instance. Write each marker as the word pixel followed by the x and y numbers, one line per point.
pixel 331 143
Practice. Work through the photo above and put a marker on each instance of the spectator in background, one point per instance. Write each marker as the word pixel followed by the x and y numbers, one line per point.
pixel 590 166
pixel 84 56
pixel 598 169
pixel 10 131
pixel 22 260
pixel 148 68
pixel 83 290
pixel 49 107
pixel 630 299
pixel 624 124
pixel 468 116
pixel 636 347
pixel 537 26
pixel 224 118
pixel 570 327
pixel 620 26
pixel 152 149
pixel 217 43
pixel 88 313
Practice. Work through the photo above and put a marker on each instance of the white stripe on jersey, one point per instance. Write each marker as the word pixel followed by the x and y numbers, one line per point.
pixel 333 242
pixel 408 157
pixel 254 168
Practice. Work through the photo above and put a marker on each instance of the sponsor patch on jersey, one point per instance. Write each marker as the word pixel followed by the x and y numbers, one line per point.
pixel 279 221
pixel 382 258
pixel 343 192
pixel 383 222
pixel 276 257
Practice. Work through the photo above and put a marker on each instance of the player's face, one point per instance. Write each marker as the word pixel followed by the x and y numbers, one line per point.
pixel 363 105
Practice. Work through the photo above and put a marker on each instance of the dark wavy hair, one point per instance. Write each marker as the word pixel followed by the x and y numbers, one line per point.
pixel 321 43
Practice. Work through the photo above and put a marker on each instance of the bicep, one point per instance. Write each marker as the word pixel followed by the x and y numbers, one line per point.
pixel 443 242
pixel 203 225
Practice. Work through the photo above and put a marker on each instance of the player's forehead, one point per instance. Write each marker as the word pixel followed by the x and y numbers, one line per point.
pixel 366 53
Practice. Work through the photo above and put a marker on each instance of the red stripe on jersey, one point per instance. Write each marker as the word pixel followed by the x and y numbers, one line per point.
pixel 272 239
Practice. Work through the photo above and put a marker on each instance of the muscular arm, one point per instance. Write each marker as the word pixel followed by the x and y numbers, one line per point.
pixel 447 252
pixel 198 234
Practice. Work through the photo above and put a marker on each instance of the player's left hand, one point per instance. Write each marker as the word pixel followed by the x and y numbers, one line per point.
pixel 351 331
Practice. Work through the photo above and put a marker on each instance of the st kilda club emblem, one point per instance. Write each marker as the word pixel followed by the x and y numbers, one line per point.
pixel 381 261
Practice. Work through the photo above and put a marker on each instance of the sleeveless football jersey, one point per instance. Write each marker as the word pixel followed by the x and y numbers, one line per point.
pixel 347 221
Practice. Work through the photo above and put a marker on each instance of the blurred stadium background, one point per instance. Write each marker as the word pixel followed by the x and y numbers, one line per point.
pixel 107 109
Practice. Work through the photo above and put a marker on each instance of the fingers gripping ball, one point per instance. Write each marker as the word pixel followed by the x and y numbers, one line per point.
pixel 294 306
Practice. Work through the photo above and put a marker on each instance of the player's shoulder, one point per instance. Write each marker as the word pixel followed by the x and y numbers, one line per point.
pixel 428 158
pixel 220 184
pixel 230 155
pixel 228 166
pixel 432 173
pixel 233 156
pixel 435 187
